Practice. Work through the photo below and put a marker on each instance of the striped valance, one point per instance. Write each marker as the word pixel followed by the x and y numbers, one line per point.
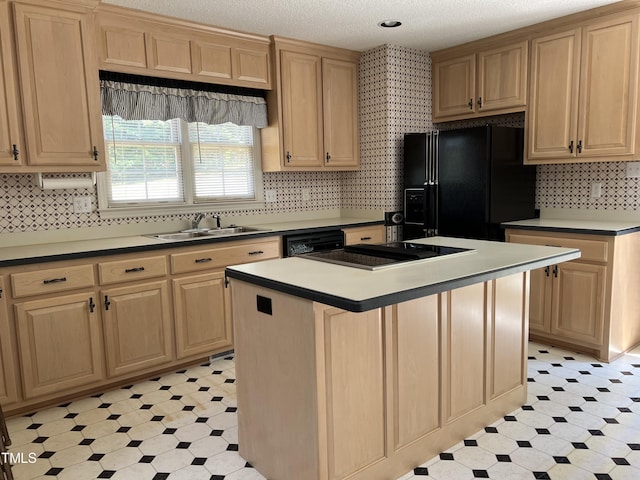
pixel 148 102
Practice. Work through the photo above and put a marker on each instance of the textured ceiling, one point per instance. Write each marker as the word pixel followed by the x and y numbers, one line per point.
pixel 426 24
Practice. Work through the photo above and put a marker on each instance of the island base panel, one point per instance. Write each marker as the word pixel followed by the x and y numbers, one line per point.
pixel 327 394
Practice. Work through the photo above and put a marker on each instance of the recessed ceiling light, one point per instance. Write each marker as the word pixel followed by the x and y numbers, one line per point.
pixel 390 23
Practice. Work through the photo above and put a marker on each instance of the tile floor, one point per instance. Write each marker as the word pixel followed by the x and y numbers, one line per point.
pixel 581 421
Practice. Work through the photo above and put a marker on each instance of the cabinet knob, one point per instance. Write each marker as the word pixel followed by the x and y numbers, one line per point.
pixel 571 146
pixel 288 156
pixel 480 102
pixel 95 153
pixel 92 305
pixel 328 157
pixel 470 104
pixel 15 152
pixel 579 146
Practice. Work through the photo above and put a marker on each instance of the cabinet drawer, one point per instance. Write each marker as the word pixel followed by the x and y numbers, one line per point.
pixel 374 234
pixel 591 250
pixel 131 269
pixel 223 256
pixel 52 280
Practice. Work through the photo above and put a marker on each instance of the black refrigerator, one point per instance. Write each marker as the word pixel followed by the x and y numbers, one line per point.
pixel 465 182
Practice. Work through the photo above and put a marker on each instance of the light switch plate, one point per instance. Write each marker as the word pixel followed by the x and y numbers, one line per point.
pixel 81 205
pixel 596 190
pixel 633 169
pixel 270 196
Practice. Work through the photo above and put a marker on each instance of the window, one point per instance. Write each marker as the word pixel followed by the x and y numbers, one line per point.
pixel 174 165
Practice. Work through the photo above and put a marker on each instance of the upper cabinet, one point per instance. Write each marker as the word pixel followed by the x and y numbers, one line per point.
pixel 487 82
pixel 146 44
pixel 58 79
pixel 584 93
pixel 11 138
pixel 313 111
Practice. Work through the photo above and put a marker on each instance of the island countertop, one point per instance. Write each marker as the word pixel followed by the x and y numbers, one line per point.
pixel 358 290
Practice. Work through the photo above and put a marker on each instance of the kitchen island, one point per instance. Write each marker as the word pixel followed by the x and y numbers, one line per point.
pixel 346 373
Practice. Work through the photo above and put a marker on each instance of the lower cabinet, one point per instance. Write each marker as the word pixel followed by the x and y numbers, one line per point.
pixel 8 386
pixel 137 327
pixel 201 312
pixel 60 343
pixel 585 304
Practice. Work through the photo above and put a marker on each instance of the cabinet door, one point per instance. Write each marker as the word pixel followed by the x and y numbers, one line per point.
pixel 252 66
pixel 137 327
pixel 211 59
pixel 8 390
pixel 553 101
pixel 202 316
pixel 540 301
pixel 11 142
pixel 578 302
pixel 122 46
pixel 608 88
pixel 454 83
pixel 60 343
pixel 60 87
pixel 340 108
pixel 502 77
pixel 168 53
pixel 302 109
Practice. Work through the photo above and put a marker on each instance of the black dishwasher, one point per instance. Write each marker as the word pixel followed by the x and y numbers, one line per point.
pixel 317 241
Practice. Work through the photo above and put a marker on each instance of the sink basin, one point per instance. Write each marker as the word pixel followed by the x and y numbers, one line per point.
pixel 195 233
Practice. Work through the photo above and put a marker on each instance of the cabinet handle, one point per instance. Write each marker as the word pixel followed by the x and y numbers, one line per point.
pixel 203 260
pixel 0 293
pixel 288 157
pixel 546 270
pixel 15 152
pixel 555 271
pixel 470 104
pixel 480 102
pixel 95 153
pixel 365 238
pixel 55 280
pixel 571 146
pixel 107 302
pixel 257 252
pixel 92 305
pixel 135 269
pixel 579 146
pixel 328 157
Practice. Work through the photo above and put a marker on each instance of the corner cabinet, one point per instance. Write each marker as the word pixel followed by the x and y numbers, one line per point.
pixel 8 385
pixel 313 112
pixel 584 93
pixel 487 82
pixel 58 78
pixel 584 304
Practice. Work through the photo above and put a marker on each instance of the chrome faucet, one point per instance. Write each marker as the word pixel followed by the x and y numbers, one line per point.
pixel 217 219
pixel 196 221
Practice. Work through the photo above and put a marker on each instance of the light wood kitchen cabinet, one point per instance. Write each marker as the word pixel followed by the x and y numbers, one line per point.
pixel 202 314
pixel 137 327
pixel 8 385
pixel 60 343
pixel 583 93
pixel 489 81
pixel 148 44
pixel 60 89
pixel 313 112
pixel 368 234
pixel 12 150
pixel 584 304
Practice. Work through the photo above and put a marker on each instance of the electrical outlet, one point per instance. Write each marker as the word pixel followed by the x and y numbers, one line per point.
pixel 81 205
pixel 306 194
pixel 596 190
pixel 270 196
pixel 633 169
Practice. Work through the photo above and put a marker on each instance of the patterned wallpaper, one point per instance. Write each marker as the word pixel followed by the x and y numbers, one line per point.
pixel 395 98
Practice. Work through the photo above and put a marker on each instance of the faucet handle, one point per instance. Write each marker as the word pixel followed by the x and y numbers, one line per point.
pixel 217 219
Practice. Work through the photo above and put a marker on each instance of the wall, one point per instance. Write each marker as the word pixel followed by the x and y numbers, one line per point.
pixel 395 98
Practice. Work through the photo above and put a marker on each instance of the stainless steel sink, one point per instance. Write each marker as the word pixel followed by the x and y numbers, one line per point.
pixel 196 233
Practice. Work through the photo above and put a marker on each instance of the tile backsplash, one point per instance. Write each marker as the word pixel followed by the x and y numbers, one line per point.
pixel 395 98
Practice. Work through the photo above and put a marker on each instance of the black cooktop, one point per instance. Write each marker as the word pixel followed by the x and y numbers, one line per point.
pixel 373 257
